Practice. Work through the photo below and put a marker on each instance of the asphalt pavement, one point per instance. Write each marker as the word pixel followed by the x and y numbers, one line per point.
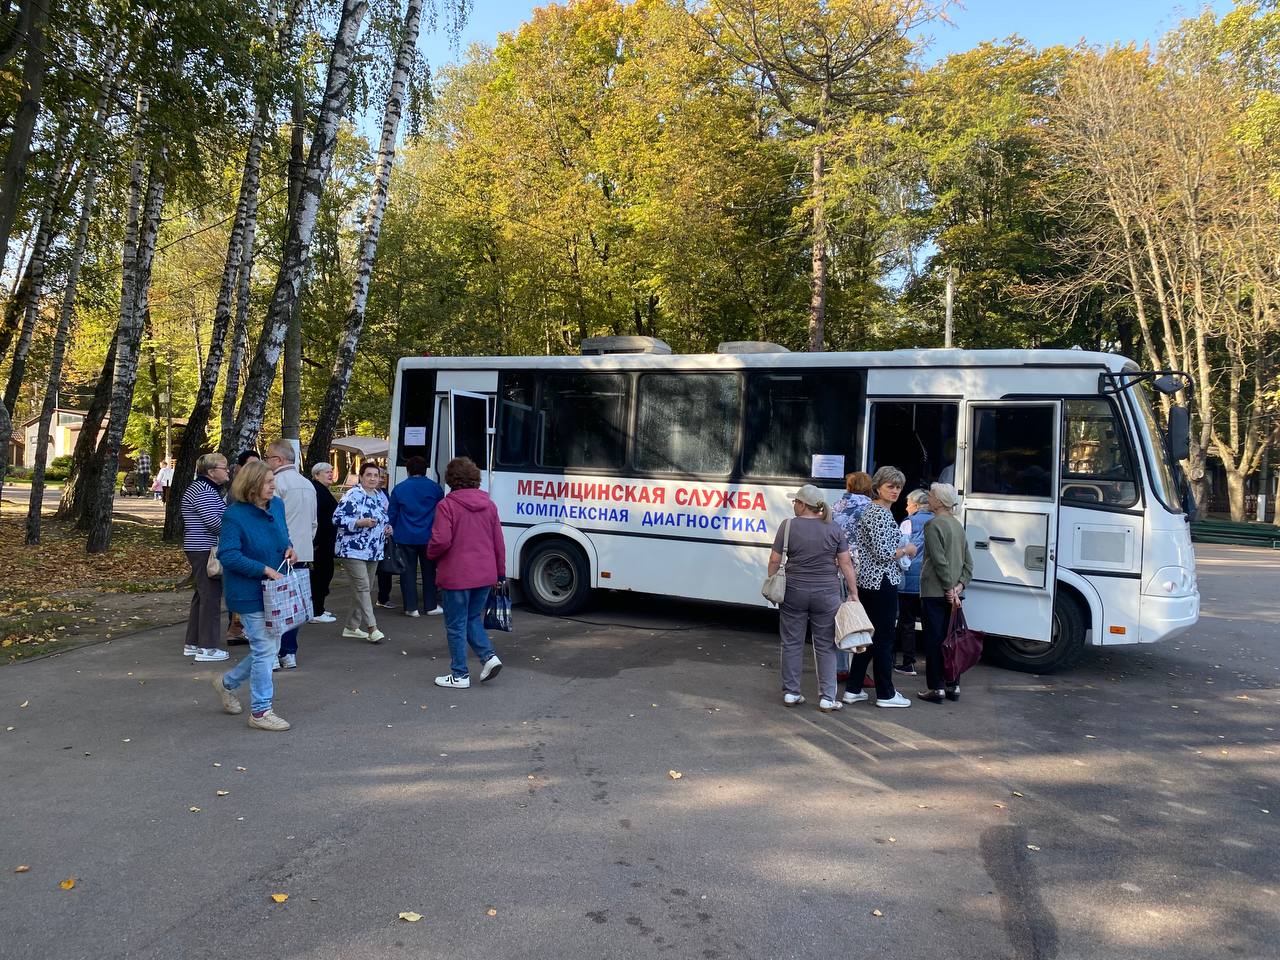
pixel 1128 809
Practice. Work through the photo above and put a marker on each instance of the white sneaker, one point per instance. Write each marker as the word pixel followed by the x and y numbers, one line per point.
pixel 827 705
pixel 189 651
pixel 376 636
pixel 792 699
pixel 449 680
pixel 211 655
pixel 412 613
pixel 269 721
pixel 355 634
pixel 856 697
pixel 436 612
pixel 490 668
pixel 275 664
pixel 325 617
pixel 230 702
pixel 897 700
pixel 289 661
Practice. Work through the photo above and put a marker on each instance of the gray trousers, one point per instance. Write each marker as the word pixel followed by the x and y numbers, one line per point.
pixel 809 610
pixel 204 620
pixel 362 574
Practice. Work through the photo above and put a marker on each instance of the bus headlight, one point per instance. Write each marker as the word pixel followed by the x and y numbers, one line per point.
pixel 1172 582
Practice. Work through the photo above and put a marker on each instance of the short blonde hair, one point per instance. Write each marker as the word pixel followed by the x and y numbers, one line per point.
pixel 249 480
pixel 210 461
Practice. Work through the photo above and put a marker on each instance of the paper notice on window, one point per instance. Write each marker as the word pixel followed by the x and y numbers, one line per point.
pixel 828 466
pixel 415 436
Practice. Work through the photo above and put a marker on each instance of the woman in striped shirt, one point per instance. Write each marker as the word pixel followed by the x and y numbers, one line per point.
pixel 202 507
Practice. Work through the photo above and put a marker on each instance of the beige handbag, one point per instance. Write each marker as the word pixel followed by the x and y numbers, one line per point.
pixel 213 568
pixel 775 587
pixel 853 627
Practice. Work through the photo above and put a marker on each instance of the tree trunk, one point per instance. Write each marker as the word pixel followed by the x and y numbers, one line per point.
pixel 31 293
pixel 14 175
pixel 818 295
pixel 291 385
pixel 84 460
pixel 298 245
pixel 194 436
pixel 35 506
pixel 140 248
pixel 1235 494
pixel 318 449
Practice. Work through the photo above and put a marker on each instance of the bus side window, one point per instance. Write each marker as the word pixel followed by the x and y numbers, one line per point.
pixel 793 415
pixel 417 411
pixel 1097 466
pixel 583 421
pixel 515 419
pixel 688 423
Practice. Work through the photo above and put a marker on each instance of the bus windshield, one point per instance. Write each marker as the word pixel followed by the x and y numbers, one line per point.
pixel 1162 478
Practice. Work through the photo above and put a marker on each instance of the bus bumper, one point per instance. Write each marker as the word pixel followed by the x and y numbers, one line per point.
pixel 1163 618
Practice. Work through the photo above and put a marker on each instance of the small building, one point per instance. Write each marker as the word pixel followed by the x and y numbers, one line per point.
pixel 64 430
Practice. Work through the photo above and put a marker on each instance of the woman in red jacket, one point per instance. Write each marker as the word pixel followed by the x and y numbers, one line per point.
pixel 470 557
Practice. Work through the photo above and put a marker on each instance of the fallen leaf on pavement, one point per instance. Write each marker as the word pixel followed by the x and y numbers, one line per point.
pixel 68 883
pixel 876 913
pixel 26 702
pixel 242 769
pixel 223 793
pixel 23 868
pixel 1032 846
pixel 1016 793
pixel 410 916
pixel 279 897
pixel 491 912
pixel 674 774
pixel 194 809
pixel 999 805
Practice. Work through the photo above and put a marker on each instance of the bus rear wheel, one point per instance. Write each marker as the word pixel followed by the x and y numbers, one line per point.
pixel 1064 648
pixel 556 578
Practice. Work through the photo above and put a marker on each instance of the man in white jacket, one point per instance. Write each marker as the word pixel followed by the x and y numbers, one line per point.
pixel 299 498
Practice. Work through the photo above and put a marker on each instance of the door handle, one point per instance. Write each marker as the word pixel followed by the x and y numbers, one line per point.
pixel 981 545
pixel 1002 539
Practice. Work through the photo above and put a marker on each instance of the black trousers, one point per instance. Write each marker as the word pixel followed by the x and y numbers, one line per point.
pixel 881 605
pixel 935 617
pixel 908 614
pixel 321 578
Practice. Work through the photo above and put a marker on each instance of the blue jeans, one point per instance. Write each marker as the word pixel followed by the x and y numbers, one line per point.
pixel 464 621
pixel 411 555
pixel 256 667
pixel 289 642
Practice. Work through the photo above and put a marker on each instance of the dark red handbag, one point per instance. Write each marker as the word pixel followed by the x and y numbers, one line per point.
pixel 961 648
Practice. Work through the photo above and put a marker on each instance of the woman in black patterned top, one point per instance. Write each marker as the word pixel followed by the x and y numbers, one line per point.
pixel 879 576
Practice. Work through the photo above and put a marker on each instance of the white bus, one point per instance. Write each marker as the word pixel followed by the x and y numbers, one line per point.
pixel 668 475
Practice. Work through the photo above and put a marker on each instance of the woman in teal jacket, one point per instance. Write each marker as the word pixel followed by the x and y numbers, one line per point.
pixel 252 545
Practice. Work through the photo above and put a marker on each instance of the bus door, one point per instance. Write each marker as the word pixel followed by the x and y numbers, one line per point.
pixel 471 430
pixel 1011 515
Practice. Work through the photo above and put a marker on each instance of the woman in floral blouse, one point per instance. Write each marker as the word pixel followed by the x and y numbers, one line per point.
pixel 362 527
pixel 879 576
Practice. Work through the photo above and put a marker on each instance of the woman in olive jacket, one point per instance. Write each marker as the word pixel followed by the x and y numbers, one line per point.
pixel 947 570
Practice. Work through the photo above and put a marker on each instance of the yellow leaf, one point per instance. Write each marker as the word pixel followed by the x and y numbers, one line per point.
pixel 410 916
pixel 194 809
pixel 674 774
pixel 876 913
pixel 68 883
pixel 23 868
pixel 491 912
pixel 279 897
pixel 1016 793
pixel 223 793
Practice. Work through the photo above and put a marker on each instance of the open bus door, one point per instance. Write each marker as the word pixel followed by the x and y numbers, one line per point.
pixel 1011 515
pixel 471 430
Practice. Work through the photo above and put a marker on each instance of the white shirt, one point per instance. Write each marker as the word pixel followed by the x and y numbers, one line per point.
pixel 299 498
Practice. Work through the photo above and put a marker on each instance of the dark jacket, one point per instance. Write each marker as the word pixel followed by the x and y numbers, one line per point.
pixel 466 541
pixel 251 539
pixel 326 503
pixel 413 509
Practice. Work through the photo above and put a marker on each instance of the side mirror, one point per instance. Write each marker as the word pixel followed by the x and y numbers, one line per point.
pixel 1179 433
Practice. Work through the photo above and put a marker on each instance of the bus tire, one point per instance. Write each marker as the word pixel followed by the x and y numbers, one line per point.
pixel 1060 653
pixel 555 577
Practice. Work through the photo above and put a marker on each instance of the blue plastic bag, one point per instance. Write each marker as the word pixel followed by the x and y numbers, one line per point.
pixel 497 611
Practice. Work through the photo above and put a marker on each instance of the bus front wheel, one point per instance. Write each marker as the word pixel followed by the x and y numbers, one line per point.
pixel 1061 652
pixel 556 578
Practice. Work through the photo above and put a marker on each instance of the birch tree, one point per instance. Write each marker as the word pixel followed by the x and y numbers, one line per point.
pixel 298 245
pixel 30 35
pixel 318 449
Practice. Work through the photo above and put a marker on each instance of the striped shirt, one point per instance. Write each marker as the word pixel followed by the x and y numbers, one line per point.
pixel 202 507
